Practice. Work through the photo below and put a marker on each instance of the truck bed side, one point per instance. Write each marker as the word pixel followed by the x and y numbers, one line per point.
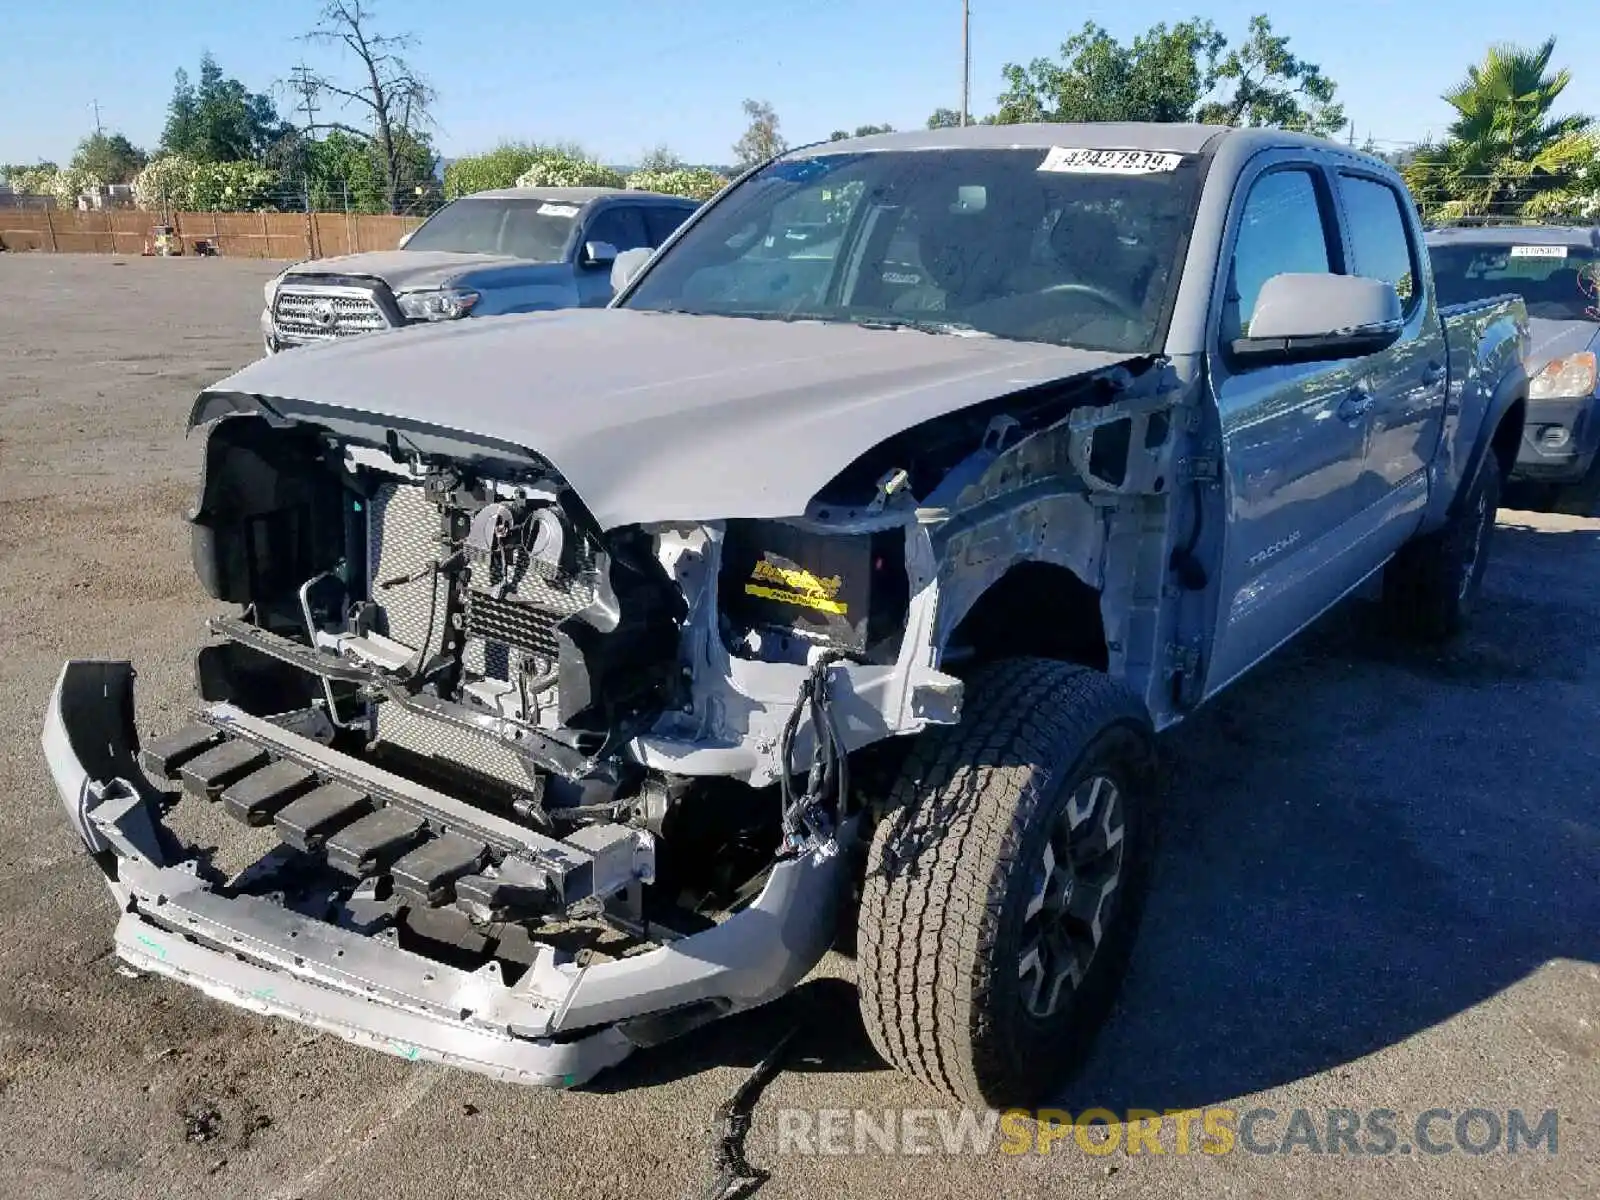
pixel 1486 341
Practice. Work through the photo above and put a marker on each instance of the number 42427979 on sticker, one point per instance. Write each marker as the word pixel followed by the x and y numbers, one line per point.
pixel 1075 160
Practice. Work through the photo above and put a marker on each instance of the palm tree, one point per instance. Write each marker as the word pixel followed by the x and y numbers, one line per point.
pixel 1504 147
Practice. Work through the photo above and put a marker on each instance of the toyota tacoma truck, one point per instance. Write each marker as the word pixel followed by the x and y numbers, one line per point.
pixel 511 250
pixel 587 674
pixel 1556 271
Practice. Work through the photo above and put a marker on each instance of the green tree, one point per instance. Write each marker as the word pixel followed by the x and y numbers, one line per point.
pixel 498 168
pixel 28 178
pixel 839 135
pixel 944 118
pixel 219 120
pixel 1506 150
pixel 1161 76
pixel 109 157
pixel 392 98
pixel 341 172
pixel 1263 84
pixel 1184 72
pixel 761 139
pixel 660 158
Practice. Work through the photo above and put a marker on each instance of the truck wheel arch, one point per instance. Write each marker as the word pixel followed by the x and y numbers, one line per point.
pixel 1035 608
pixel 1507 436
pixel 1500 434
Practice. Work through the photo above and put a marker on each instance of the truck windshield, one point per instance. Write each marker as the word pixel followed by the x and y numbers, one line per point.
pixel 1556 282
pixel 1068 247
pixel 536 230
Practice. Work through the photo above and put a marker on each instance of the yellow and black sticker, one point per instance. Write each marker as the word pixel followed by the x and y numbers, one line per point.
pixel 794 585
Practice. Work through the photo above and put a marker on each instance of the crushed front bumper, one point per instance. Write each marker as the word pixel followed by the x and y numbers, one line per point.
pixel 557 1025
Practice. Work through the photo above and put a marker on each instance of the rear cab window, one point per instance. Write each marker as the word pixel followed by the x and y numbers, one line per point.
pixel 662 221
pixel 1381 243
pixel 1556 282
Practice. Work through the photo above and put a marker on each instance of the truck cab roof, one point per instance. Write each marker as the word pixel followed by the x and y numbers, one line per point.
pixel 579 195
pixel 1528 235
pixel 1100 135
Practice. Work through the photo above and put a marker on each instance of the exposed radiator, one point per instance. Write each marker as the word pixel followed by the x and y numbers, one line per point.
pixel 514 602
pixel 404 535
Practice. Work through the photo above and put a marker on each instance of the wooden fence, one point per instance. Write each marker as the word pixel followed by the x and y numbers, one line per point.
pixel 236 235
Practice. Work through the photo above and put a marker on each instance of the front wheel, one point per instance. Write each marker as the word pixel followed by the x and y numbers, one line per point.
pixel 1430 586
pixel 1004 888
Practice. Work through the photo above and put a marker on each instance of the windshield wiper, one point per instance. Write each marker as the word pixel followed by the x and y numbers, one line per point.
pixel 952 328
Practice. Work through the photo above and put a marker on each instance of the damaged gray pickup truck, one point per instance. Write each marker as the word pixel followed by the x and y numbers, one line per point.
pixel 589 673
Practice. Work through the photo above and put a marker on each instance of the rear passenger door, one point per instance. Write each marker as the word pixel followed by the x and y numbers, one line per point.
pixel 623 226
pixel 1405 383
pixel 1292 452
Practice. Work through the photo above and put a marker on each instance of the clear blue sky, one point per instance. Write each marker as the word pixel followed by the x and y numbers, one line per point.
pixel 622 76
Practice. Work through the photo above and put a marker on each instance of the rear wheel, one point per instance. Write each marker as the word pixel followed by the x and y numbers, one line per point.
pixel 1003 892
pixel 1430 586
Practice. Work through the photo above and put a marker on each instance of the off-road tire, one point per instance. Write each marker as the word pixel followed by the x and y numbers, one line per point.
pixel 1430 586
pixel 953 867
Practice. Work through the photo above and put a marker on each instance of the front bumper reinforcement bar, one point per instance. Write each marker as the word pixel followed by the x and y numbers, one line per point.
pixel 557 1025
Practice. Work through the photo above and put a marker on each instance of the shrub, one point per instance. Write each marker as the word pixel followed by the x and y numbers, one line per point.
pixel 556 169
pixel 695 182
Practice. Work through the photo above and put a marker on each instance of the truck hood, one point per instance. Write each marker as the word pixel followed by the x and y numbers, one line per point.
pixel 1549 340
pixel 655 416
pixel 402 269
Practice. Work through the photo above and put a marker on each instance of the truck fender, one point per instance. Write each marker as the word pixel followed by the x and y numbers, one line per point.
pixel 1500 431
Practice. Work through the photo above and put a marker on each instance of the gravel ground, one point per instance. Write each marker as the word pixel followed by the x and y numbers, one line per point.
pixel 1379 886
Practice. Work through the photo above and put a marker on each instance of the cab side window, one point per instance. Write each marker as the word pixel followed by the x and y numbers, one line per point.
pixel 1282 230
pixel 1380 242
pixel 622 225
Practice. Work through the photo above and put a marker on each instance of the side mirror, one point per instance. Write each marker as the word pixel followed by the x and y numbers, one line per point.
pixel 1306 318
pixel 404 238
pixel 599 254
pixel 627 267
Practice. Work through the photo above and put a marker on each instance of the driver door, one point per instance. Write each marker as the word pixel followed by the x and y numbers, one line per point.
pixel 1294 446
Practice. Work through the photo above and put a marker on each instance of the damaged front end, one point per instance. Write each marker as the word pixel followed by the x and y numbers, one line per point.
pixel 520 826
pixel 539 791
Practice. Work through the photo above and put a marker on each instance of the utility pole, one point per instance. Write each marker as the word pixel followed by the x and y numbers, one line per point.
pixel 98 130
pixel 305 83
pixel 966 58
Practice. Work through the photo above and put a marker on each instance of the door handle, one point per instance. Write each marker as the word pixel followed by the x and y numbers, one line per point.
pixel 1356 404
pixel 1433 373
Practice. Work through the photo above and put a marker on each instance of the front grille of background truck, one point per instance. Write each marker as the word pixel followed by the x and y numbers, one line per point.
pixel 316 315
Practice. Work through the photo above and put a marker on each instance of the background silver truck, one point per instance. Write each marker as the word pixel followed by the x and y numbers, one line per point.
pixel 506 251
pixel 1556 271
pixel 815 581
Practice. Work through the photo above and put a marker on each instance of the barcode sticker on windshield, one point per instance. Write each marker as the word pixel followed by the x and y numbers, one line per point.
pixel 558 210
pixel 1109 162
pixel 1538 252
